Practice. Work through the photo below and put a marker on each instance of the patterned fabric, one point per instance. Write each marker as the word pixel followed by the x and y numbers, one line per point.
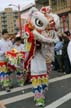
pixel 39 83
pixel 15 59
pixel 4 75
pixel 3 67
pixel 48 52
pixel 21 77
pixel 15 63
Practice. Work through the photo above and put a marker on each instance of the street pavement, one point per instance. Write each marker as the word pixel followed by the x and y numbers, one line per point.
pixel 58 95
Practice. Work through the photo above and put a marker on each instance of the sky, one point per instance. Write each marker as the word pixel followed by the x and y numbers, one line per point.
pixel 22 3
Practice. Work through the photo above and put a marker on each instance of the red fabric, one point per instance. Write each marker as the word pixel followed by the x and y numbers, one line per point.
pixel 10 67
pixel 2 64
pixel 11 53
pixel 36 76
pixel 31 40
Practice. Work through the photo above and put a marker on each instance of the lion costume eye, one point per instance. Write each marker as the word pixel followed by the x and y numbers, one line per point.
pixel 38 22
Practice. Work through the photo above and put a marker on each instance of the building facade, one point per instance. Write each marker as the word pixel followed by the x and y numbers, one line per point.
pixel 8 20
pixel 63 9
pixel 40 3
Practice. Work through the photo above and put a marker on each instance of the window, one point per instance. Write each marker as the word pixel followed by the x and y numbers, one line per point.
pixel 63 3
pixel 44 2
pixel 54 4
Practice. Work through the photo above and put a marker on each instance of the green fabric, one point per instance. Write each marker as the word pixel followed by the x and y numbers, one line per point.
pixel 21 82
pixel 41 100
pixel 6 83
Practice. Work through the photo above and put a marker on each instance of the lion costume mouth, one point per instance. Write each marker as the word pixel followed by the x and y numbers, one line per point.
pixel 44 37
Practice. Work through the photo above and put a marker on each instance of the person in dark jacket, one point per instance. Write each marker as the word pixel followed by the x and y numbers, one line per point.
pixel 67 65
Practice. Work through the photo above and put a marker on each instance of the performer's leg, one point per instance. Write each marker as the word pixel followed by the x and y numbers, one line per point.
pixel 6 81
pixel 28 77
pixel 38 91
pixel 45 84
pixel 1 78
pixel 49 68
pixel 11 77
pixel 4 75
pixel 20 78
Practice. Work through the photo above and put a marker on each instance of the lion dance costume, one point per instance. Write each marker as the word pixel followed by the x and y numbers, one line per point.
pixel 41 29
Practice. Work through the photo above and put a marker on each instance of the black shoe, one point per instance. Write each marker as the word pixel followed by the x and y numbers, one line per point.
pixel 7 89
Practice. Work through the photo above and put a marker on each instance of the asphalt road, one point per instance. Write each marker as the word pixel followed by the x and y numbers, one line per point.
pixel 58 95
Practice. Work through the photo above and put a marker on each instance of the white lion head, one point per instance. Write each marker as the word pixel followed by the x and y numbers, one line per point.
pixel 43 20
